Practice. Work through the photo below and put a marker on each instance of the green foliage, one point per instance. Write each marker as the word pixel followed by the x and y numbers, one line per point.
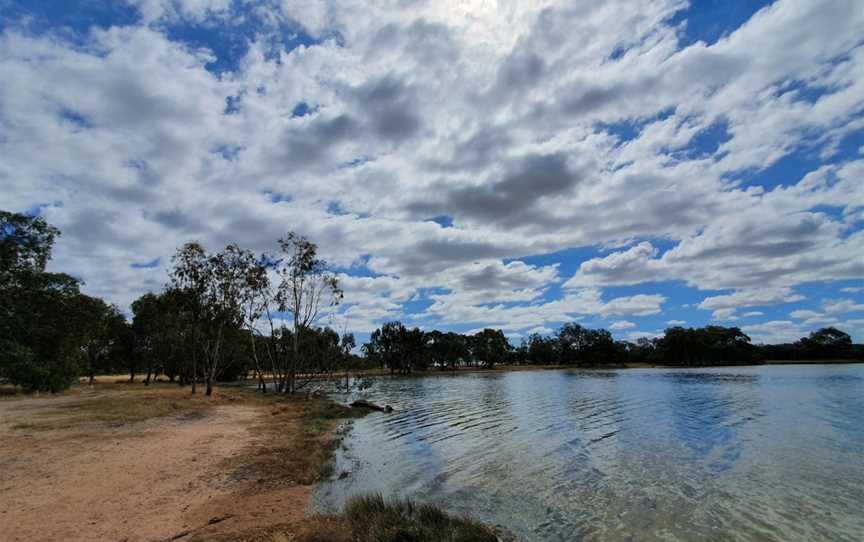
pixel 447 349
pixel 393 346
pixel 826 343
pixel 402 350
pixel 306 288
pixel 40 322
pixel 705 346
pixel 25 245
pixel 489 347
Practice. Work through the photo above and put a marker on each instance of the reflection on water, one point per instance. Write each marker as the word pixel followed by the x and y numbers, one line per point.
pixel 744 453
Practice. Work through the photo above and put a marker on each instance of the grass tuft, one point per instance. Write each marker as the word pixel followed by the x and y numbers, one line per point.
pixel 371 518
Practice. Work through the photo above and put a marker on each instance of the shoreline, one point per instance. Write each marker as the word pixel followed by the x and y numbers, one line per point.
pixel 374 373
pixel 155 463
pixel 163 464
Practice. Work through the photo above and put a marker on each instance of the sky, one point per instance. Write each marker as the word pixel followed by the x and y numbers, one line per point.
pixel 462 164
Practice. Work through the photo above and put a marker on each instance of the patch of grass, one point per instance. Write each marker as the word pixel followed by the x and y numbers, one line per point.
pixel 299 437
pixel 9 391
pixel 374 519
pixel 114 405
pixel 371 518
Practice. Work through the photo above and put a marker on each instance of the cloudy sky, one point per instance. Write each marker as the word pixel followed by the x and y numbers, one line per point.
pixel 625 164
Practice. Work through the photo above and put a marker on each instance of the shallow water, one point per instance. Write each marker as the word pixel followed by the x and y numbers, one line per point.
pixel 743 453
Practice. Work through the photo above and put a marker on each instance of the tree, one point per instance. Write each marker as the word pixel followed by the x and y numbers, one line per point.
pixel 385 346
pixel 825 343
pixel 101 327
pixel 191 276
pixel 307 287
pixel 490 346
pixel 446 349
pixel 162 333
pixel 255 297
pixel 40 341
pixel 25 246
pixel 572 340
pixel 215 288
pixel 541 350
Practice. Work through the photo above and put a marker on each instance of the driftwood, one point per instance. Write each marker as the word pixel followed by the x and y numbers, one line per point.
pixel 362 403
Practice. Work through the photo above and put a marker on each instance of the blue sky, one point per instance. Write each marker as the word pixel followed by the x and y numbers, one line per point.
pixel 461 164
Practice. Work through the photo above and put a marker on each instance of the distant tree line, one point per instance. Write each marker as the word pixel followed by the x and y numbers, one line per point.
pixel 233 314
pixel 222 316
pixel 403 350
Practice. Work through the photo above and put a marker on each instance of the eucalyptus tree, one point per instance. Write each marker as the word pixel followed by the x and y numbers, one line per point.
pixel 191 275
pixel 386 348
pixel 306 289
pixel 489 347
pixel 215 285
pixel 255 296
pixel 101 327
pixel 162 330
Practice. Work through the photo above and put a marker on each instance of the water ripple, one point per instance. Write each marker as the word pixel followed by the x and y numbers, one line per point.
pixel 764 453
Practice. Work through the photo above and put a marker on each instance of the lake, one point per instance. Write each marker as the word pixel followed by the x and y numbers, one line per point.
pixel 733 453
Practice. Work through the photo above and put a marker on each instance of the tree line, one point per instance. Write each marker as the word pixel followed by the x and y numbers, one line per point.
pixel 233 314
pixel 222 315
pixel 402 350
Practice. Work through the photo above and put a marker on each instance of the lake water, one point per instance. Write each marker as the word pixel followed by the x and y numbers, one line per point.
pixel 742 453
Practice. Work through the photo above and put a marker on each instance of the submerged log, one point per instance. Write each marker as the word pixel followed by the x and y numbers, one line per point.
pixel 362 403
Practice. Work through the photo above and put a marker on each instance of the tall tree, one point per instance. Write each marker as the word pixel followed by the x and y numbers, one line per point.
pixel 191 275
pixel 306 289
pixel 825 343
pixel 101 326
pixel 215 286
pixel 490 346
pixel 40 342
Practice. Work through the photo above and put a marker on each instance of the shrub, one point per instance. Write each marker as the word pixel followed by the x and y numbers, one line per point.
pixel 373 519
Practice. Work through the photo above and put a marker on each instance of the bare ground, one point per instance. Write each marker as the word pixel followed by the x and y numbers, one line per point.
pixel 74 468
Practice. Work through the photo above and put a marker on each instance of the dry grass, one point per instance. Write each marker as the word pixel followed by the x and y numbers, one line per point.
pixel 114 405
pixel 374 519
pixel 290 449
pixel 371 518
pixel 297 441
pixel 8 391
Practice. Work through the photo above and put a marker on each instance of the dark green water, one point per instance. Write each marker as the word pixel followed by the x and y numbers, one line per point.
pixel 744 453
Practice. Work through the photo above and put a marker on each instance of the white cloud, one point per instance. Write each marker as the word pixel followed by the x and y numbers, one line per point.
pixel 725 306
pixel 842 306
pixel 634 336
pixel 622 324
pixel 775 331
pixel 803 314
pixel 488 114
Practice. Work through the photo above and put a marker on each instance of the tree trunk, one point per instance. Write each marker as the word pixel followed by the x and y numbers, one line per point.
pixel 296 349
pixel 194 370
pixel 261 384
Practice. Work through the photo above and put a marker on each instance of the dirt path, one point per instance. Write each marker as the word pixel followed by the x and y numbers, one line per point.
pixel 147 481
